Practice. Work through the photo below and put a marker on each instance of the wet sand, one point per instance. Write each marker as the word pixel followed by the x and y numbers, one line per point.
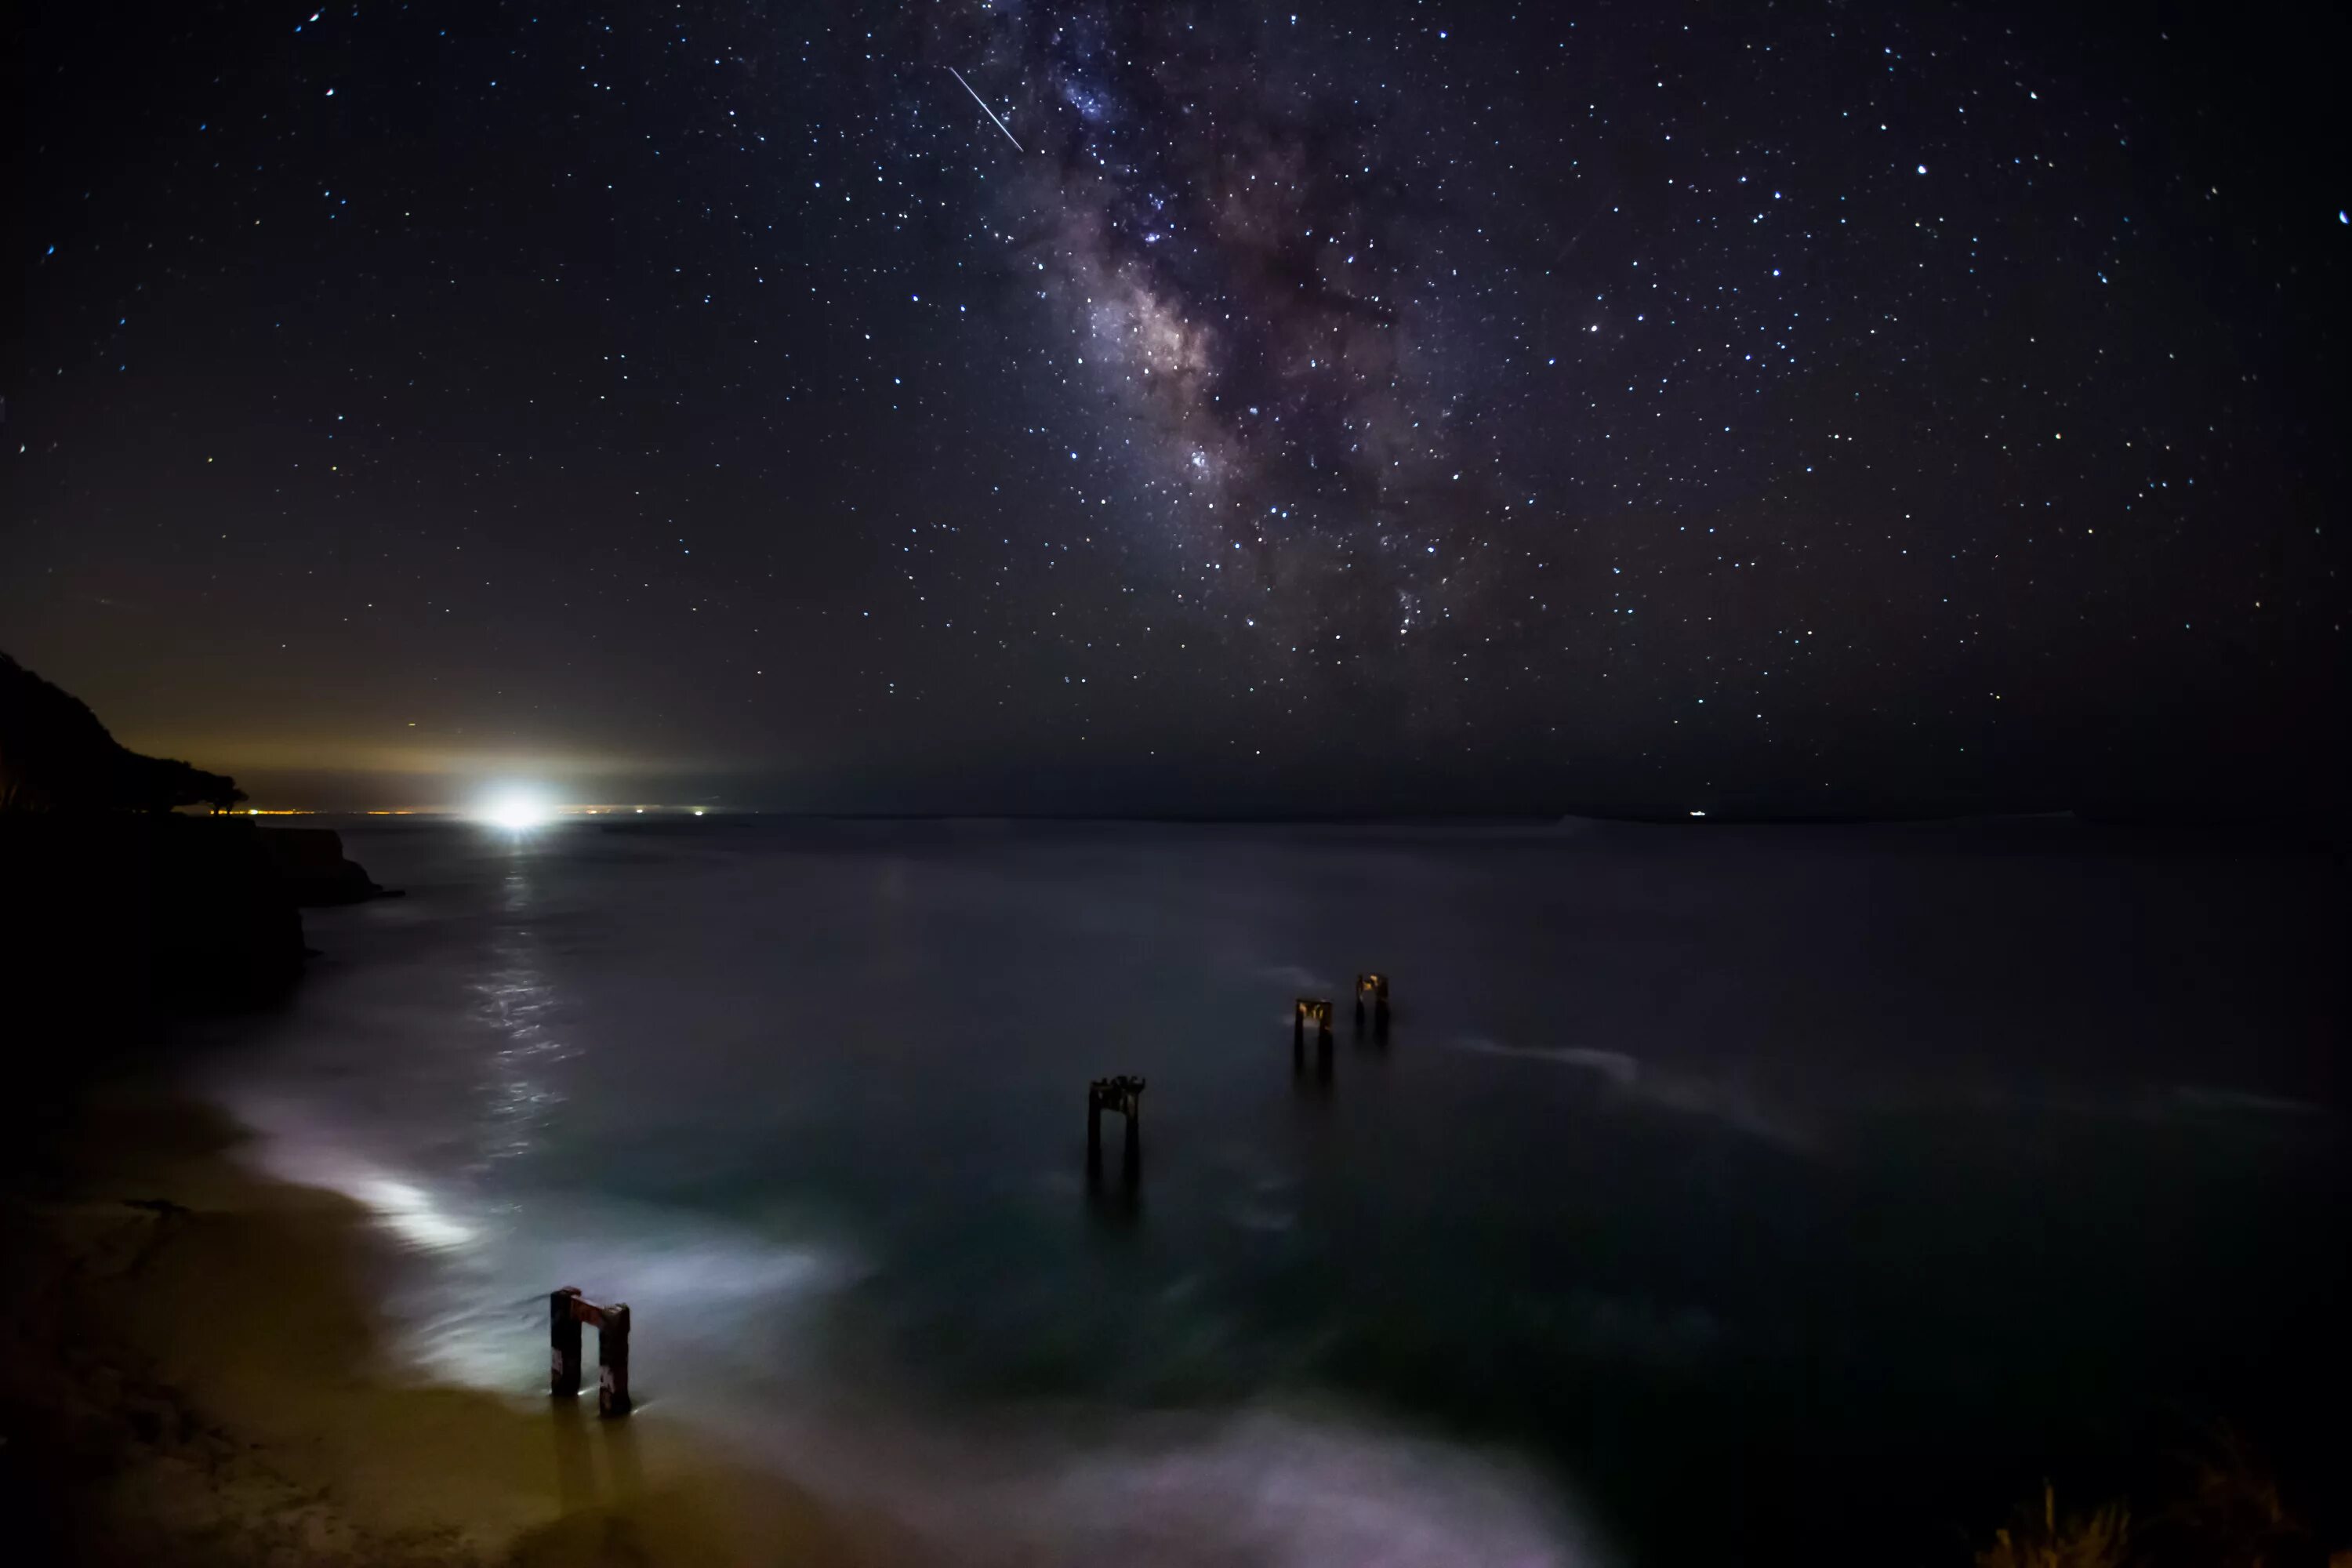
pixel 193 1378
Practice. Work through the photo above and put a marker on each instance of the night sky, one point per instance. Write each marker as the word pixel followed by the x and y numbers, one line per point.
pixel 1396 407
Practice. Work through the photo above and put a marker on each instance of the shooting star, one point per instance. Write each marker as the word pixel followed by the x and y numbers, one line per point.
pixel 990 112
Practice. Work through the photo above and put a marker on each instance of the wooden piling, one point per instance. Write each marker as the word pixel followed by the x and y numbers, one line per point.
pixel 563 1343
pixel 1124 1095
pixel 613 1362
pixel 1318 1010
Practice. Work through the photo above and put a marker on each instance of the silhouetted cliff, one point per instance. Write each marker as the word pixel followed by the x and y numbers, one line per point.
pixel 56 756
pixel 115 911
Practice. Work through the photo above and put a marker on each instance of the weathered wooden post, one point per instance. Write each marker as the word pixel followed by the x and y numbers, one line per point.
pixel 1376 987
pixel 1123 1094
pixel 613 1362
pixel 563 1343
pixel 1318 1009
pixel 1130 1162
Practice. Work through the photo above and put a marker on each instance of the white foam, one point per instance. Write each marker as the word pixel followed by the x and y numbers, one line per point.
pixel 1288 1492
pixel 1264 1487
pixel 1687 1094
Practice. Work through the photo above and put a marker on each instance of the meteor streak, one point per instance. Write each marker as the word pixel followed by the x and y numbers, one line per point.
pixel 990 112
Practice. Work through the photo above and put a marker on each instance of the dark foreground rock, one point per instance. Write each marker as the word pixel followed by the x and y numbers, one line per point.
pixel 311 862
pixel 110 923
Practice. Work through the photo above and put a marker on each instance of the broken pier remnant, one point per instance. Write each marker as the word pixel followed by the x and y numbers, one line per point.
pixel 566 1310
pixel 1317 1010
pixel 1124 1095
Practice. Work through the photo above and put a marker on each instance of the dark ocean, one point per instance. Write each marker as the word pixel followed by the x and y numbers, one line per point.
pixel 1717 1192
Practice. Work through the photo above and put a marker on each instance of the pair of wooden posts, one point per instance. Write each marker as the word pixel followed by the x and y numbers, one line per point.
pixel 566 1310
pixel 1369 987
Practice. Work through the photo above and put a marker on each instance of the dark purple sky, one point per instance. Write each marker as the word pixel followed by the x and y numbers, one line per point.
pixel 1378 407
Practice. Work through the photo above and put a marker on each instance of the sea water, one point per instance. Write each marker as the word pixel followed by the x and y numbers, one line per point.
pixel 1713 1189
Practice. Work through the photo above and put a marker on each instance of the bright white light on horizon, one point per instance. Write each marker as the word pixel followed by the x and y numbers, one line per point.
pixel 517 809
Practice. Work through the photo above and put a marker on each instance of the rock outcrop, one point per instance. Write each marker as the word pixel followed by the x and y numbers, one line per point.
pixel 311 862
pixel 125 919
pixel 117 912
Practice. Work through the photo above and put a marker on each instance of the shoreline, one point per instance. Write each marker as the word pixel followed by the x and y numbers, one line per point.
pixel 197 1378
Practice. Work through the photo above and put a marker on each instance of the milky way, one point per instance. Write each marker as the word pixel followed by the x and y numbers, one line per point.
pixel 1241 248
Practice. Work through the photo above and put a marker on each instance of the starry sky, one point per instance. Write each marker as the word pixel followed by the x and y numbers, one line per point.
pixel 1073 406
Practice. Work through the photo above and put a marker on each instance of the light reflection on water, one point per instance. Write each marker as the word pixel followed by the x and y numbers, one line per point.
pixel 518 1003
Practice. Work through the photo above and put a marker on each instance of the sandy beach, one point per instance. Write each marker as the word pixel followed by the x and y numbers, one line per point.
pixel 195 1378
